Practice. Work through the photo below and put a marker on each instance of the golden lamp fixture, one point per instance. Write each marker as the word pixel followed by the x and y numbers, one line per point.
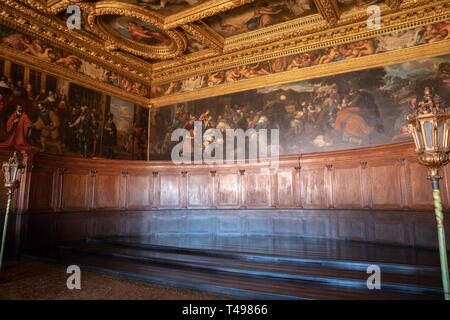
pixel 430 126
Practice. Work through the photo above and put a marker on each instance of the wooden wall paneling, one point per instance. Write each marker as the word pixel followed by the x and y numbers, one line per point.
pixel 385 187
pixel 139 192
pixel 242 188
pixel 199 189
pixel 42 189
pixel 297 187
pixel 286 187
pixel 108 191
pixel 351 226
pixel 123 190
pixel 257 188
pixel 405 199
pixel 213 192
pixel 273 187
pixel 170 195
pixel 92 190
pixel 313 187
pixel 184 189
pixel 228 189
pixel 156 187
pixel 365 184
pixel 58 189
pixel 421 193
pixel 346 186
pixel 329 186
pixel 392 227
pixel 72 226
pixel 76 189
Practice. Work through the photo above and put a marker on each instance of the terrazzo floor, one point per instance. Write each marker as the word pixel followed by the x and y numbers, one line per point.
pixel 32 280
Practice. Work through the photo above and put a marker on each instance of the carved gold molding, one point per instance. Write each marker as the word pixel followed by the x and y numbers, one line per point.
pixel 78 42
pixel 328 9
pixel 343 66
pixel 200 32
pixel 15 56
pixel 393 4
pixel 177 44
pixel 394 22
pixel 310 25
pixel 296 36
pixel 202 11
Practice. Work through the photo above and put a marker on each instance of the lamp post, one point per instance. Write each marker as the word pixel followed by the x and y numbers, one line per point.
pixel 12 170
pixel 430 128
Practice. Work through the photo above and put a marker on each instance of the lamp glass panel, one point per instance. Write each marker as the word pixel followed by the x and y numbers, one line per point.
pixel 10 174
pixel 441 134
pixel 419 140
pixel 428 134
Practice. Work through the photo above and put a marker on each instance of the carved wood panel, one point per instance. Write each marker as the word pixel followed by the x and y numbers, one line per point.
pixel 285 188
pixel 421 192
pixel 385 186
pixel 170 195
pixel 198 190
pixel 139 192
pixel 313 188
pixel 228 190
pixel 347 187
pixel 42 189
pixel 257 187
pixel 107 191
pixel 75 191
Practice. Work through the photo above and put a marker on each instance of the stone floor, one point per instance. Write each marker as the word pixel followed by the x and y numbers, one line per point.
pixel 31 280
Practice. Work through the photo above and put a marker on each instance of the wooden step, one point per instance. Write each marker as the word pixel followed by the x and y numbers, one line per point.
pixel 224 283
pixel 426 265
pixel 350 278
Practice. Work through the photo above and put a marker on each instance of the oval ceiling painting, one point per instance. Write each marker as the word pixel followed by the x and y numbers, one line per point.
pixel 136 30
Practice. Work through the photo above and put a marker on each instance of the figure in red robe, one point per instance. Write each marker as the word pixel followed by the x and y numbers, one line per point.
pixel 18 129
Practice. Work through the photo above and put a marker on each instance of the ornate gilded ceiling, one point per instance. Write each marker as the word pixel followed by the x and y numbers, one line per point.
pixel 157 42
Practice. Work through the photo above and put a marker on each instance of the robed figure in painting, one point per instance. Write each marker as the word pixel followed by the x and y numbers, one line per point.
pixel 48 125
pixel 138 32
pixel 109 137
pixel 18 129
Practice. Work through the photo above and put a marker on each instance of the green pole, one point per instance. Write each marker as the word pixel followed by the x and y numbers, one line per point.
pixel 5 227
pixel 441 237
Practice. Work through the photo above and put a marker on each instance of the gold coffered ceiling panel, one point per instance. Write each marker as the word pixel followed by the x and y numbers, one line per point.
pixel 160 41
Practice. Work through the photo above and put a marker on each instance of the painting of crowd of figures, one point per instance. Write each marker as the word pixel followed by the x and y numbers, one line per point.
pixel 56 116
pixel 344 111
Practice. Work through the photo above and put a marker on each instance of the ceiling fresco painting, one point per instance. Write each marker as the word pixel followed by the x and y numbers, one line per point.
pixel 153 49
pixel 354 5
pixel 136 30
pixel 166 7
pixel 403 39
pixel 258 15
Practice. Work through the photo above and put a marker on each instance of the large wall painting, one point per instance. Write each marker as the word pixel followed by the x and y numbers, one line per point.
pixel 345 111
pixel 67 119
pixel 385 43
